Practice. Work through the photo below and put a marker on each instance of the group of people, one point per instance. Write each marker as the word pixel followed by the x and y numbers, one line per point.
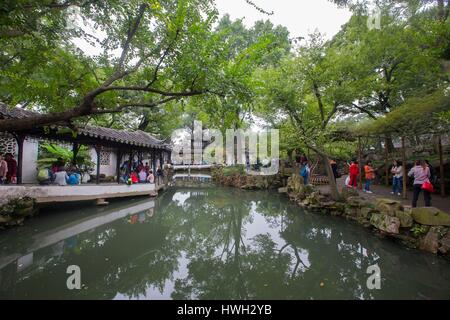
pixel 60 175
pixel 422 173
pixel 8 169
pixel 138 172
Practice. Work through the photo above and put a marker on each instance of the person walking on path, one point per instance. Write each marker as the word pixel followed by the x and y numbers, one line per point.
pixel 370 175
pixel 3 170
pixel 353 174
pixel 397 178
pixel 421 174
pixel 305 172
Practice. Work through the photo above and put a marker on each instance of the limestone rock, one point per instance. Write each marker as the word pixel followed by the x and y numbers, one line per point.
pixel 406 220
pixel 445 243
pixel 347 192
pixel 431 216
pixel 430 242
pixel 283 190
pixel 388 206
pixel 385 223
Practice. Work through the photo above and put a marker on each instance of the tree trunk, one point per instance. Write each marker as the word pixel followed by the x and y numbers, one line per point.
pixel 333 185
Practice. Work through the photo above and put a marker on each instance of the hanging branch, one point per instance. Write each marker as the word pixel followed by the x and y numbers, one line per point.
pixel 259 9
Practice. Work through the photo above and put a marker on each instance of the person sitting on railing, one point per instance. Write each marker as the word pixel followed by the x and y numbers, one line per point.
pixel 151 177
pixel 142 175
pixel 61 177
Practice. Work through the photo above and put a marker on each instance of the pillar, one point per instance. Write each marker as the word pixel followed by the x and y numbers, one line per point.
pixel 75 149
pixel 98 150
pixel 20 139
pixel 119 161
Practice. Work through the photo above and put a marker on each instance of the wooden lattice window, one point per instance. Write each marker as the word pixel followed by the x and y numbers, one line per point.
pixel 7 144
pixel 105 157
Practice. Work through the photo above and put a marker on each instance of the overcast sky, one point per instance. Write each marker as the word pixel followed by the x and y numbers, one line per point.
pixel 299 16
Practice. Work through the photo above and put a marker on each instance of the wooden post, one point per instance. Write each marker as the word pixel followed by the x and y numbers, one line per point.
pixel 360 163
pixel 20 139
pixel 118 163
pixel 98 150
pixel 154 160
pixel 75 149
pixel 386 161
pixel 405 194
pixel 441 167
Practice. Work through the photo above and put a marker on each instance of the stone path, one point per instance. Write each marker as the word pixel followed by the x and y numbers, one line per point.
pixel 385 192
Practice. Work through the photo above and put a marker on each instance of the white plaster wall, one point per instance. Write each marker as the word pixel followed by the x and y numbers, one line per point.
pixel 108 170
pixel 111 169
pixel 30 155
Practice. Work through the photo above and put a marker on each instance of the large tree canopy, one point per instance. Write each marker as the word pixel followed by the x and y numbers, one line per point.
pixel 151 52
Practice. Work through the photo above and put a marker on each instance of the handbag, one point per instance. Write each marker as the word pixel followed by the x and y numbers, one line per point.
pixel 427 186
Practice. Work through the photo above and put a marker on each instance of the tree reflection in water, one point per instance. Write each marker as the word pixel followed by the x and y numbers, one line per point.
pixel 220 243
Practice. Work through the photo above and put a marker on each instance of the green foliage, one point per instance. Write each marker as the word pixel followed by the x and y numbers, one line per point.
pixel 50 153
pixel 418 230
pixel 427 114
pixel 234 170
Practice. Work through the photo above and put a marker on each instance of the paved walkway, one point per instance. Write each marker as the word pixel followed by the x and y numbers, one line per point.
pixel 381 191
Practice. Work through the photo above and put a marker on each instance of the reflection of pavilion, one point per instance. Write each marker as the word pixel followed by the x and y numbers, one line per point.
pixel 56 237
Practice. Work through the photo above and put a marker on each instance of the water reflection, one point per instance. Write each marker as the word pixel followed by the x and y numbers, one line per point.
pixel 207 244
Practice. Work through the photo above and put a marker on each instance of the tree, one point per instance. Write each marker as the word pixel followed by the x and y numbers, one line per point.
pixel 167 53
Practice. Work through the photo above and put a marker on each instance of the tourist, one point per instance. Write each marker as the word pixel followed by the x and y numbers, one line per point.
pixel 397 179
pixel 305 172
pixel 421 174
pixel 370 175
pixel 353 174
pixel 134 178
pixel 3 170
pixel 151 177
pixel 147 168
pixel 44 176
pixel 61 177
pixel 140 167
pixel 159 174
pixel 334 168
pixel 73 179
pixel 11 175
pixel 433 176
pixel 142 175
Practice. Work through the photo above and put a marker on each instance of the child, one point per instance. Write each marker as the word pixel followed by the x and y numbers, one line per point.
pixel 369 171
pixel 151 177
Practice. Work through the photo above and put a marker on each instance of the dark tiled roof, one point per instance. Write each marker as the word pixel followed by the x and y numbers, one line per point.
pixel 136 138
pixel 14 113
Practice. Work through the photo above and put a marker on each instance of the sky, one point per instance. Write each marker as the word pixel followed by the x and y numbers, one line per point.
pixel 301 17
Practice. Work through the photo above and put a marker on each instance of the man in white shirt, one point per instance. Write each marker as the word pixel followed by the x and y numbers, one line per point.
pixel 61 177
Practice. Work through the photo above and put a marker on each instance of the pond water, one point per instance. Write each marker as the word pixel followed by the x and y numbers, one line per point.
pixel 209 243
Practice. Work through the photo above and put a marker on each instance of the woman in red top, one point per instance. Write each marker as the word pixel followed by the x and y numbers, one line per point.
pixel 353 173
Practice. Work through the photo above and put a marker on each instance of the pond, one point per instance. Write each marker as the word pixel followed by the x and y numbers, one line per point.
pixel 209 243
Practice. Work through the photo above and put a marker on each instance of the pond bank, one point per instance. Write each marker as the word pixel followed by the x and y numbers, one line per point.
pixel 426 229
